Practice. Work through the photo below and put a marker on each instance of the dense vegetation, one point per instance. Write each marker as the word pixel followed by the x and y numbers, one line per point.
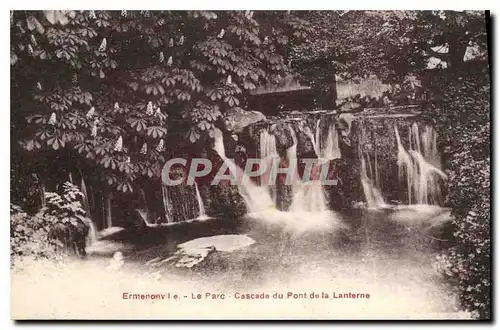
pixel 462 112
pixel 114 93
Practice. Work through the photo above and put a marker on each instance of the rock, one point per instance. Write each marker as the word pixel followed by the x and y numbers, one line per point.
pixel 345 122
pixel 348 106
pixel 237 119
pixel 225 243
pixel 193 252
pixel 283 136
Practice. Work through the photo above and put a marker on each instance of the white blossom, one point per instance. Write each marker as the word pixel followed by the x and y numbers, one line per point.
pixel 181 40
pixel 52 119
pixel 119 144
pixel 170 60
pixel 128 159
pixel 144 148
pixel 221 34
pixel 39 85
pixel 229 81
pixel 91 112
pixel 94 130
pixel 117 106
pixel 160 146
pixel 158 111
pixel 149 110
pixel 92 14
pixel 30 50
pixel 171 43
pixel 102 47
pixel 33 40
pixel 162 57
pixel 124 13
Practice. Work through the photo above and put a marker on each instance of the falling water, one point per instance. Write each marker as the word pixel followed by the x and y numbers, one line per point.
pixel 268 154
pixel 372 192
pixel 257 198
pixel 307 197
pixel 328 148
pixel 202 214
pixel 422 172
pixel 93 236
pixel 331 150
pixel 167 203
pixel 429 146
pixel 109 221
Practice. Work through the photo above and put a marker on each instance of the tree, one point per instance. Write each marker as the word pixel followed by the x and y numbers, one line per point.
pixel 388 44
pixel 119 90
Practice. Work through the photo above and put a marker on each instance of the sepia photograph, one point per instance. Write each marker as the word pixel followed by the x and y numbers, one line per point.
pixel 250 165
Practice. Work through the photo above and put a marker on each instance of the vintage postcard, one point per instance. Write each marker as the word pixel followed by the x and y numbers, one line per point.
pixel 321 165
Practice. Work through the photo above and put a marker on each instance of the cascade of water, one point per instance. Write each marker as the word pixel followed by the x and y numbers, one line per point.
pixel 429 146
pixel 299 218
pixel 372 193
pixel 422 176
pixel 317 139
pixel 42 195
pixel 109 221
pixel 269 155
pixel 405 166
pixel 414 138
pixel 307 197
pixel 167 203
pixel 202 214
pixel 93 236
pixel 326 149
pixel 331 149
pixel 257 198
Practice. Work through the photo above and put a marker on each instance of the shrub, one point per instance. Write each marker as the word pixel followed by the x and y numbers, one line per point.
pixel 60 227
pixel 462 116
pixel 28 235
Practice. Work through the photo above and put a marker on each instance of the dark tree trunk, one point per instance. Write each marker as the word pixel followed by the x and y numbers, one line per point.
pixel 329 98
pixel 456 54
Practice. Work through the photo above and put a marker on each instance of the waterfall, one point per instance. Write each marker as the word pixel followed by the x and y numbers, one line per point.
pixel 372 192
pixel 307 197
pixel 42 195
pixel 326 149
pixel 257 198
pixel 269 155
pixel 308 201
pixel 167 203
pixel 202 214
pixel 93 236
pixel 109 221
pixel 429 146
pixel 331 150
pixel 422 173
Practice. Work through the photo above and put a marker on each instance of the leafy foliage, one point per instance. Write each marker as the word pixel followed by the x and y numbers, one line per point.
pixel 34 236
pixel 391 45
pixel 122 87
pixel 28 234
pixel 66 209
pixel 463 115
